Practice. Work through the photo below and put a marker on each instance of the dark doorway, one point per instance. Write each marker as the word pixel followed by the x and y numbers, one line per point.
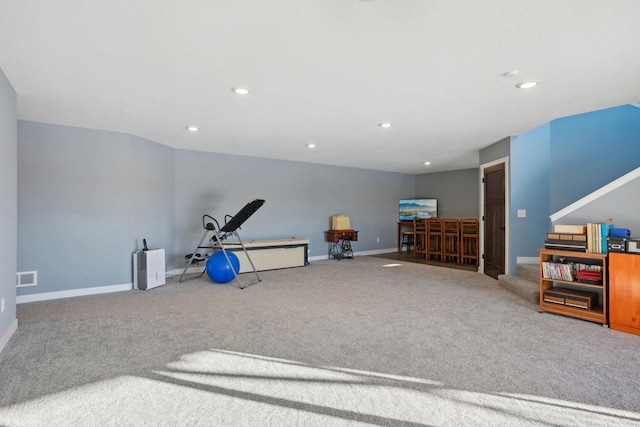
pixel 494 220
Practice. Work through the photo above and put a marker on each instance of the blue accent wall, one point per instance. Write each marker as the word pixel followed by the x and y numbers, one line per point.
pixel 559 163
pixel 590 150
pixel 529 181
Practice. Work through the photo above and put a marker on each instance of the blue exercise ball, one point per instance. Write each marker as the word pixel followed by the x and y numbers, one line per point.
pixel 218 268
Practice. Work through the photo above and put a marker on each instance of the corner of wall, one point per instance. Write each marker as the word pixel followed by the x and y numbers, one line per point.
pixel 8 208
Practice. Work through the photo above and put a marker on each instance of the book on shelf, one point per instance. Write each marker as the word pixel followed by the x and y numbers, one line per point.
pixel 591 237
pixel 579 266
pixel 573 229
pixel 558 271
pixel 570 271
pixel 597 233
pixel 607 227
pixel 590 277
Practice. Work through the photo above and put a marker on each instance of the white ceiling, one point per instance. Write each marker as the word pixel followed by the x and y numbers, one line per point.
pixel 321 71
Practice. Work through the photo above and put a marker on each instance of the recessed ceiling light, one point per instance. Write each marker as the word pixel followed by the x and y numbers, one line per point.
pixel 526 85
pixel 311 145
pixel 427 163
pixel 385 125
pixel 193 128
pixel 241 90
pixel 511 73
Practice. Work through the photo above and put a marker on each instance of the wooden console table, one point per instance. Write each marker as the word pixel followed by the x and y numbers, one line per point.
pixel 340 243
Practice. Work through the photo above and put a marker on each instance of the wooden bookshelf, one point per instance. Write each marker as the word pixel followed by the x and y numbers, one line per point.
pixel 597 313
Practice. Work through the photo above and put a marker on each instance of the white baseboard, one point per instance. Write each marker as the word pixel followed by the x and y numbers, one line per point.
pixel 360 253
pixel 7 336
pixel 190 270
pixel 200 269
pixel 73 293
pixel 527 260
pixel 375 252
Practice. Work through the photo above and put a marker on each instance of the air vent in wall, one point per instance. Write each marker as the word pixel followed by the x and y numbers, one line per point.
pixel 27 278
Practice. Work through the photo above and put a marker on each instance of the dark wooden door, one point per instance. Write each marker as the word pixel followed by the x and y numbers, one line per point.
pixel 494 220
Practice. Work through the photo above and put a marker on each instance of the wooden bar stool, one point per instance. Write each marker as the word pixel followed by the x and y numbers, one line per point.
pixel 419 237
pixel 469 232
pixel 451 244
pixel 407 240
pixel 434 239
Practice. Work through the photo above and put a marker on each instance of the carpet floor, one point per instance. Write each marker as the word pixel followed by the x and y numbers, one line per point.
pixel 407 256
pixel 352 342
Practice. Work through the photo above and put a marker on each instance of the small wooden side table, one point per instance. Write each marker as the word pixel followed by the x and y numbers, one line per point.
pixel 340 243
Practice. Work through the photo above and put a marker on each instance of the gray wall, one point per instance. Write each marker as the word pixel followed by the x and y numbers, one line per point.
pixel 8 207
pixel 151 193
pixel 601 209
pixel 553 166
pixel 495 151
pixel 458 192
pixel 300 199
pixel 86 199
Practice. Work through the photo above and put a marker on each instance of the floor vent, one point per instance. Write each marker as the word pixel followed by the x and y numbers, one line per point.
pixel 27 278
